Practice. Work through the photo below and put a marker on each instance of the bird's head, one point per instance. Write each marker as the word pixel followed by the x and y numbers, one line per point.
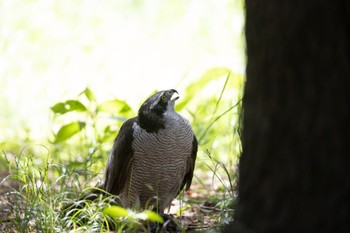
pixel 151 113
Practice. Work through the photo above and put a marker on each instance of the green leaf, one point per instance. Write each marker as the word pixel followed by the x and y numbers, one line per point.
pixel 68 131
pixel 118 212
pixel 76 105
pixel 89 94
pixel 114 106
pixel 59 108
pixel 146 215
pixel 115 211
pixel 68 106
pixel 153 216
pixel 196 87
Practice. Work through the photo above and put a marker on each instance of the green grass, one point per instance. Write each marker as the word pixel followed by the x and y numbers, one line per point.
pixel 38 180
pixel 39 190
pixel 35 202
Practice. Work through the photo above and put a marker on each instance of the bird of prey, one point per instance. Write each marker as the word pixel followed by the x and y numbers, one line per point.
pixel 153 156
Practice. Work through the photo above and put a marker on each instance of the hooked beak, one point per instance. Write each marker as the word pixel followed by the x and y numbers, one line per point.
pixel 173 95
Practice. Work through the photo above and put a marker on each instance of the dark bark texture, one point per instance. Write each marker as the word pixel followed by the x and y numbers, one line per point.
pixel 295 167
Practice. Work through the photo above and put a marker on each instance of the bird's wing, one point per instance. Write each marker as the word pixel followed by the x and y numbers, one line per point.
pixel 190 166
pixel 120 159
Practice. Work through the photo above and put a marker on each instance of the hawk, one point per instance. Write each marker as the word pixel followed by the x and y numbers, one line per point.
pixel 153 156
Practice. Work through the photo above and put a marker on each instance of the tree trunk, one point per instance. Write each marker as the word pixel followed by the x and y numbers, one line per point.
pixel 295 168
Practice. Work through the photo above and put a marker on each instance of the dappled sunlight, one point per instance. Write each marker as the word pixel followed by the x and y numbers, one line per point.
pixel 72 72
pixel 51 50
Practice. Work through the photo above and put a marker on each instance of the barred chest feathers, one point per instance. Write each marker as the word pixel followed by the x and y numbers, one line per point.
pixel 153 156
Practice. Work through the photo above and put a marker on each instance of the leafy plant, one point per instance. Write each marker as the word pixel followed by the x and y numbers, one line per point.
pixel 91 114
pixel 35 202
pixel 216 119
pixel 84 126
pixel 44 179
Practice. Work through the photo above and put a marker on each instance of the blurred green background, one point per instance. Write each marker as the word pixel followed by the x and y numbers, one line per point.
pixel 72 71
pixel 50 50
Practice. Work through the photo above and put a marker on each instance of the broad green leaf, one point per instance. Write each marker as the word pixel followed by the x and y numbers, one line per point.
pixel 68 106
pixel 89 94
pixel 146 215
pixel 68 131
pixel 76 105
pixel 59 108
pixel 114 106
pixel 118 212
pixel 196 87
pixel 115 211
pixel 153 216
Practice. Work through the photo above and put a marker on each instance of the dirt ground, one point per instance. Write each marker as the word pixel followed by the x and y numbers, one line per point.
pixel 199 212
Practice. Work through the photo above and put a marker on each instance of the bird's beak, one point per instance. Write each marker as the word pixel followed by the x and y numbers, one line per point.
pixel 173 95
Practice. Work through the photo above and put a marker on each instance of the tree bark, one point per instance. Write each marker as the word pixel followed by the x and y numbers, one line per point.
pixel 295 167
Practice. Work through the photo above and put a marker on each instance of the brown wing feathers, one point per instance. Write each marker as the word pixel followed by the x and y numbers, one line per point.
pixel 120 159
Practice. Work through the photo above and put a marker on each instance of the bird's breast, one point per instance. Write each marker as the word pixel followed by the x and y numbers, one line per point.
pixel 160 158
pixel 174 139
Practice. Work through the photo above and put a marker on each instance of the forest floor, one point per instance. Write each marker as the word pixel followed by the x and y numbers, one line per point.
pixel 197 210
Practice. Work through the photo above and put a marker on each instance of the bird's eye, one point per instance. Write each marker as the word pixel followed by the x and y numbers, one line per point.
pixel 164 99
